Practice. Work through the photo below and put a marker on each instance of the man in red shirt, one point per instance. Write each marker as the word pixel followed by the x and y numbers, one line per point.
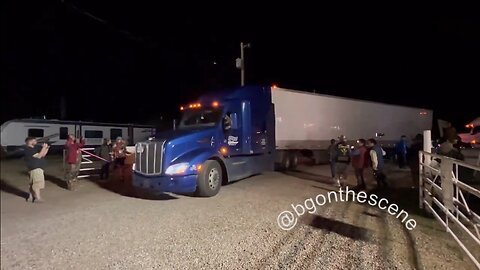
pixel 360 161
pixel 73 158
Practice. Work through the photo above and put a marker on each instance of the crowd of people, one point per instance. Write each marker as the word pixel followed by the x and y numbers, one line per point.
pixel 367 153
pixel 108 153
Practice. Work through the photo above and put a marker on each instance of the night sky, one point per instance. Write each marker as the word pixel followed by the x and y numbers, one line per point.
pixel 136 62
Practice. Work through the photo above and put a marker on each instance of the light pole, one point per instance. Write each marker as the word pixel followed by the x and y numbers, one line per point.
pixel 240 63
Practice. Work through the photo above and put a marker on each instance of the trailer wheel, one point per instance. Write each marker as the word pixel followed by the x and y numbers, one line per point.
pixel 286 161
pixel 293 160
pixel 209 179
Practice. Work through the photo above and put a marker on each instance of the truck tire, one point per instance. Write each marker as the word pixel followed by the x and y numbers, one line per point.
pixel 293 160
pixel 286 161
pixel 209 179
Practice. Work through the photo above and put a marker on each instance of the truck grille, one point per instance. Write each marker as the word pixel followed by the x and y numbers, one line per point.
pixel 148 157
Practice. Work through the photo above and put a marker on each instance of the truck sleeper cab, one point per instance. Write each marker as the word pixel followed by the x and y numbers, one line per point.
pixel 221 138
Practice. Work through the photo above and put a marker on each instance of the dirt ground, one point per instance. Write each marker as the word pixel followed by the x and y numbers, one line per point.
pixel 104 226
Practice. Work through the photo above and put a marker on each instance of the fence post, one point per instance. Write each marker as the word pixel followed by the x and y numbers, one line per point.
pixel 446 169
pixel 420 179
pixel 427 145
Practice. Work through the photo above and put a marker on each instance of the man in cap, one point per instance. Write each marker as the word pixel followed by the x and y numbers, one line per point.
pixel 342 159
pixel 35 161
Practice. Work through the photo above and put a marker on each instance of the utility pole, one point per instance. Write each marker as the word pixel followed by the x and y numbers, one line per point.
pixel 240 63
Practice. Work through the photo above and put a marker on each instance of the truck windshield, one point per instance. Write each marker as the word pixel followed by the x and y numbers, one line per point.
pixel 200 118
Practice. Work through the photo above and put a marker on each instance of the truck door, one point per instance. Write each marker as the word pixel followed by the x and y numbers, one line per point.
pixel 233 132
pixel 237 129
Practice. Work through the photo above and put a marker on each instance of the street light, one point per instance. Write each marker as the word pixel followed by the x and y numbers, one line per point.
pixel 240 62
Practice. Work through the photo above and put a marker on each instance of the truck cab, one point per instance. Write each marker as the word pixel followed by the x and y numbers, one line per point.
pixel 221 137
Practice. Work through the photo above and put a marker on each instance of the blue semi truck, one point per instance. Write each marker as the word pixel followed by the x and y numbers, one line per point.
pixel 223 137
pixel 233 134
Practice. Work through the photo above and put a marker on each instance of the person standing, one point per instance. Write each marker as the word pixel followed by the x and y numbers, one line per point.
pixel 401 149
pixel 342 159
pixel 119 151
pixel 331 157
pixel 73 158
pixel 105 152
pixel 360 157
pixel 414 159
pixel 35 161
pixel 119 155
pixel 378 164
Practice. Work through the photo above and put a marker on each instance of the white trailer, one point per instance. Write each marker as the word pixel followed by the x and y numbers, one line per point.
pixel 14 132
pixel 308 121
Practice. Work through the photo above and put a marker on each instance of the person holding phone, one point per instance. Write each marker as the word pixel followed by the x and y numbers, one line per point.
pixel 35 161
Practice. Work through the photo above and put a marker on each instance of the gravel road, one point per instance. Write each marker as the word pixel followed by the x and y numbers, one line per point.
pixel 95 228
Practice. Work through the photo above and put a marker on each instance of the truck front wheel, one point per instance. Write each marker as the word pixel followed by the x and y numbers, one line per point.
pixel 209 179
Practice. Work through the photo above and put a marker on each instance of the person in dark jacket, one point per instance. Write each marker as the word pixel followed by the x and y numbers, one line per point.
pixel 342 159
pixel 378 164
pixel 73 157
pixel 331 157
pixel 35 161
pixel 360 157
pixel 105 152
pixel 401 149
pixel 413 158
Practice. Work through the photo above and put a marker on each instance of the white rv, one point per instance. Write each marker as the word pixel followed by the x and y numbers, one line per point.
pixel 14 132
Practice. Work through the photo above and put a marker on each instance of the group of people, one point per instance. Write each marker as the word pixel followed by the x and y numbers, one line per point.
pixel 116 153
pixel 367 154
pixel 36 163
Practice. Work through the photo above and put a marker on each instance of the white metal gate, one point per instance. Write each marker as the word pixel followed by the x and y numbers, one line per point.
pixel 445 188
pixel 88 163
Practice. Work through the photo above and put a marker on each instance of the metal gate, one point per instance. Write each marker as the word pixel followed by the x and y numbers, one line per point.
pixel 446 187
pixel 88 163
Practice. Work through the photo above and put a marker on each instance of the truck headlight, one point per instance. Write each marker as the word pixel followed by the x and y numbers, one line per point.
pixel 176 169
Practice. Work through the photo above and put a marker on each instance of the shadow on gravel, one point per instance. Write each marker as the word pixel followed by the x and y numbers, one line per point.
pixel 309 176
pixel 341 228
pixel 405 198
pixel 329 187
pixel 6 187
pixel 53 179
pixel 370 214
